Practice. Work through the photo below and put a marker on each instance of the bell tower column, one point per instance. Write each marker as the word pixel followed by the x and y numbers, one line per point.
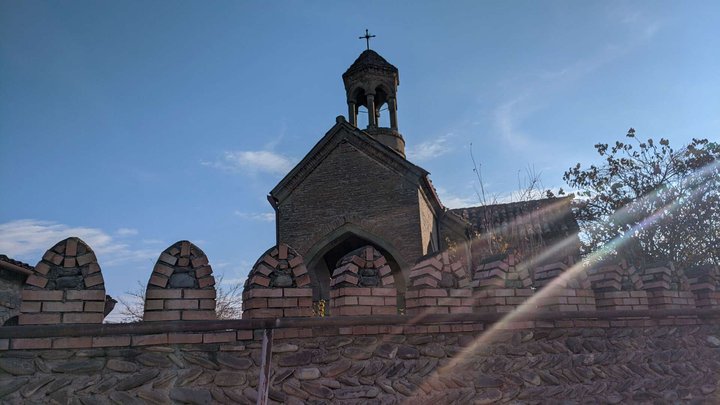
pixel 392 107
pixel 372 118
pixel 352 113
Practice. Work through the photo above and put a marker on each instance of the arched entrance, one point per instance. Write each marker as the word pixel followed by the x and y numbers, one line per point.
pixel 322 258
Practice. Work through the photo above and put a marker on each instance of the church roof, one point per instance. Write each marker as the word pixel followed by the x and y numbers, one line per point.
pixel 548 218
pixel 369 59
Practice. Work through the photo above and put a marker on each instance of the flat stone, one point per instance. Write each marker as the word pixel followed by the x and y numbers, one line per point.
pixel 196 396
pixel 58 384
pixel 483 381
pixel 713 341
pixel 407 353
pixel 123 398
pixel 309 373
pixel 317 390
pixel 419 339
pixel 335 369
pixel 531 377
pixel 356 392
pixel 80 366
pixel 121 366
pixel 234 362
pixel 136 380
pixel 229 379
pixel 182 280
pixel 277 395
pixel 154 360
pixel 9 386
pixel 487 396
pixel 433 350
pixel 153 396
pixel 282 281
pixel 707 389
pixel 189 376
pixel 301 358
pixel 201 361
pixel 33 386
pixel 284 348
pixel 94 400
pixel 17 366
pixel 293 389
pixel 403 387
pixel 165 380
pixel 386 350
pixel 357 353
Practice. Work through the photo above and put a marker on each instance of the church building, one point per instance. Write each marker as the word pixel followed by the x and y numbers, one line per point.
pixel 355 188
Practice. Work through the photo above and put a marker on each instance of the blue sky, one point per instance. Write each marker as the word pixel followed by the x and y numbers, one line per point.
pixel 136 124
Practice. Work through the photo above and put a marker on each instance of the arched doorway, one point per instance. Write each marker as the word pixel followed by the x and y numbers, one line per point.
pixel 322 258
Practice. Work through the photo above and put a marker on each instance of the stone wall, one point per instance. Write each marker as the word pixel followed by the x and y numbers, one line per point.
pixel 11 284
pixel 587 361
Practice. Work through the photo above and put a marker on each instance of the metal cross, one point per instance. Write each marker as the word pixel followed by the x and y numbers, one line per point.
pixel 367 38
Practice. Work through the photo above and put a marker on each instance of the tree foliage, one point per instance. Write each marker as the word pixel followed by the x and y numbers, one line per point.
pixel 648 201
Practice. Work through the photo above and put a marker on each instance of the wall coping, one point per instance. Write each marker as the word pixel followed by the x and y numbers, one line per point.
pixel 80 330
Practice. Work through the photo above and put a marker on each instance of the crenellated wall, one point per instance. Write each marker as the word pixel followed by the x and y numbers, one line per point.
pixel 505 331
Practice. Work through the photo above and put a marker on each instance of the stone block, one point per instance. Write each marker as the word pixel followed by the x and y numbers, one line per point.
pixel 37 281
pixel 57 306
pixel 158 281
pixel 181 304
pixel 198 315
pixel 149 340
pixel 163 269
pixel 82 317
pixel 151 316
pixel 206 281
pixel 94 280
pixel 42 295
pixel 39 318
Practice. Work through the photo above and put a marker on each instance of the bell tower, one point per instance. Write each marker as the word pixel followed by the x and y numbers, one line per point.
pixel 372 82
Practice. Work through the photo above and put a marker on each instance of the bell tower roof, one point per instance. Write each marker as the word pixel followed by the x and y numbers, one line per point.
pixel 369 60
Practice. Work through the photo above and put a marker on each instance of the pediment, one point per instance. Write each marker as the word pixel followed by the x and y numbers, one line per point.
pixel 343 132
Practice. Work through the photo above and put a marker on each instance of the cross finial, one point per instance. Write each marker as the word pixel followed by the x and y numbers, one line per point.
pixel 367 37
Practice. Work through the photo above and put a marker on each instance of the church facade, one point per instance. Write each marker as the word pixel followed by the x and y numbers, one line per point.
pixel 355 188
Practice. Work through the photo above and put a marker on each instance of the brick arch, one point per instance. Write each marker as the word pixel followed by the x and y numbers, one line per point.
pixel 66 286
pixel 362 267
pixel 181 285
pixel 277 286
pixel 339 242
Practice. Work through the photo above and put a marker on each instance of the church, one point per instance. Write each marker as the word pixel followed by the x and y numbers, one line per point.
pixel 355 189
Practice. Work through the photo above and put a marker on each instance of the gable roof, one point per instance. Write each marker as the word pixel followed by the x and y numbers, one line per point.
pixel 16 266
pixel 548 218
pixel 343 131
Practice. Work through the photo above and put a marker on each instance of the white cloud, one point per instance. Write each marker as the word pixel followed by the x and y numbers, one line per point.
pixel 451 200
pixel 260 161
pixel 28 239
pixel 256 216
pixel 126 232
pixel 430 149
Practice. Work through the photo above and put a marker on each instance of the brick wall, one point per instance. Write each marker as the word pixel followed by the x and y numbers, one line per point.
pixel 378 199
pixel 66 286
pixel 278 286
pixel 181 285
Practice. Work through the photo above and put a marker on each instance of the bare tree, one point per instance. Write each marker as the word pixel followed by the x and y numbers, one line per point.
pixel 228 302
